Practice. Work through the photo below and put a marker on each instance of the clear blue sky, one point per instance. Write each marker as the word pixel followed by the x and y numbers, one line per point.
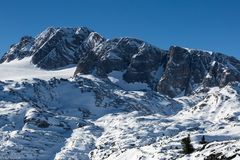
pixel 202 24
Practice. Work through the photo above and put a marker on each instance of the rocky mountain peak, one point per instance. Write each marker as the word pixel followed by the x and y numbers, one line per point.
pixel 93 40
pixel 55 47
pixel 27 39
pixel 58 47
pixel 173 72
pixel 188 68
pixel 19 50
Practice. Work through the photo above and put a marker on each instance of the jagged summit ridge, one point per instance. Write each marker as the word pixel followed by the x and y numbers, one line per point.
pixel 174 72
pixel 19 50
pixel 55 47
pixel 186 69
pixel 61 47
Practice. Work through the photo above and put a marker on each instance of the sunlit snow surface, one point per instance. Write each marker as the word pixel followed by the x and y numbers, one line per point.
pixel 24 69
pixel 116 77
pixel 42 117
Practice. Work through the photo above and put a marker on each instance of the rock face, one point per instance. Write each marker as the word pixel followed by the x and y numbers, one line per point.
pixel 59 47
pixel 19 50
pixel 187 69
pixel 55 47
pixel 137 58
pixel 174 72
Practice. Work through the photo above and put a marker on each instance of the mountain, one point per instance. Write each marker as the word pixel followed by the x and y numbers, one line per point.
pixel 19 50
pixel 53 48
pixel 174 72
pixel 70 93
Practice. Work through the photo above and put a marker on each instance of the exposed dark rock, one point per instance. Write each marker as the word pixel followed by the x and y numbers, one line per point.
pixel 62 47
pixel 138 59
pixel 19 50
pixel 219 156
pixel 176 76
pixel 189 68
pixel 55 47
pixel 38 122
pixel 142 64
pixel 42 124
pixel 87 63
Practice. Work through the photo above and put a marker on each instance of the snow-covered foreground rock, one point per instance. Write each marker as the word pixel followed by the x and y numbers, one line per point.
pixel 90 118
pixel 124 100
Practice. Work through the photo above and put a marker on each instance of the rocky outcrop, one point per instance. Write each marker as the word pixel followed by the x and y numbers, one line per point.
pixel 137 58
pixel 176 76
pixel 61 47
pixel 144 63
pixel 175 72
pixel 111 55
pixel 55 47
pixel 187 69
pixel 19 50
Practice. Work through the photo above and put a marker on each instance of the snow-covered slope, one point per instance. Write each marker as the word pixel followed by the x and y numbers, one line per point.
pixel 24 69
pixel 39 118
pixel 110 109
pixel 93 118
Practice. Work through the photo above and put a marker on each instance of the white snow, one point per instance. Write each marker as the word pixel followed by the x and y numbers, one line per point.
pixel 116 77
pixel 190 49
pixel 24 69
pixel 208 76
pixel 27 47
pixel 213 63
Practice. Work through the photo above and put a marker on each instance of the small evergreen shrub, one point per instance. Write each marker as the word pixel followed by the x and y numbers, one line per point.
pixel 187 146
